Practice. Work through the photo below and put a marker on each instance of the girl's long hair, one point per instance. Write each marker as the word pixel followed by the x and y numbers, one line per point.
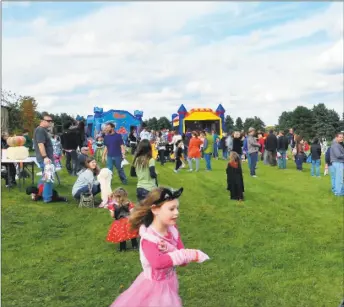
pixel 143 154
pixel 142 214
pixel 88 161
pixel 234 159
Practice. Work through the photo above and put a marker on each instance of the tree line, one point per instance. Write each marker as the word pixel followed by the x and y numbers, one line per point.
pixel 23 114
pixel 319 121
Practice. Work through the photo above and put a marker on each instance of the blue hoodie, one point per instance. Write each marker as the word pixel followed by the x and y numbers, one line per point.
pixel 244 147
pixel 328 156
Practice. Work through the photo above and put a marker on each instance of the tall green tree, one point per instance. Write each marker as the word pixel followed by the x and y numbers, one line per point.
pixel 229 123
pixel 326 122
pixel 152 123
pixel 286 121
pixel 28 107
pixel 341 123
pixel 254 122
pixel 12 102
pixel 303 122
pixel 164 123
pixel 239 124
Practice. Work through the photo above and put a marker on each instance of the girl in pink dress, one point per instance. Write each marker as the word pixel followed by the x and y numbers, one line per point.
pixel 161 250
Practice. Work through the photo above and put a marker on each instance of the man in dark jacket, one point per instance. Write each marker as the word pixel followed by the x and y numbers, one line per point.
pixel 315 155
pixel 271 147
pixel 70 141
pixel 282 147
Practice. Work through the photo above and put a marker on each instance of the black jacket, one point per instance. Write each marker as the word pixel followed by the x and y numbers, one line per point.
pixel 235 182
pixel 237 146
pixel 271 142
pixel 223 144
pixel 316 151
pixel 71 139
pixel 282 143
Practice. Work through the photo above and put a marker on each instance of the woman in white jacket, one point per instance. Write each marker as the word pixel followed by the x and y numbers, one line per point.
pixel 87 179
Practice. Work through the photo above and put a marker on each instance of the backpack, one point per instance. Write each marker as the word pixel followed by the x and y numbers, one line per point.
pixel 87 199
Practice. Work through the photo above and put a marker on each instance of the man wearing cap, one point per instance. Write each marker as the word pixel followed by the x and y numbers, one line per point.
pixel 253 148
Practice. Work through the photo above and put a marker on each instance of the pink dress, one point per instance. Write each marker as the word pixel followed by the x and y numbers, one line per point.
pixel 157 285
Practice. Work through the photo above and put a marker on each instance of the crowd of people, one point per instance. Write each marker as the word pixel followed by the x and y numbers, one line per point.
pixel 154 218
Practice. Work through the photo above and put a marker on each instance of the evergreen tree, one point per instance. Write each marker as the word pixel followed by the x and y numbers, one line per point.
pixel 238 124
pixel 229 123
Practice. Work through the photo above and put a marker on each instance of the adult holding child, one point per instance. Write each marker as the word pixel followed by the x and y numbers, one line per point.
pixel 44 153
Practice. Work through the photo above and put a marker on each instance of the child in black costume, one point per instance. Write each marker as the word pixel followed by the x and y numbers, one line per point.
pixel 178 155
pixel 235 181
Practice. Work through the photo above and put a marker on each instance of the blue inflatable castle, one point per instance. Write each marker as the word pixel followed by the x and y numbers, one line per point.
pixel 123 120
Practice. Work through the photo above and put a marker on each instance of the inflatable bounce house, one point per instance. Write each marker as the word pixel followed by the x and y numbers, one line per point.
pixel 199 119
pixel 123 120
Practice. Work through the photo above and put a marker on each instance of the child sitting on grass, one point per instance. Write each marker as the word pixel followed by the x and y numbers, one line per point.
pixel 119 232
pixel 235 182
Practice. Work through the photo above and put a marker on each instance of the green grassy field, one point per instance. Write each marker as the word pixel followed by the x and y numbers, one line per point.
pixel 282 247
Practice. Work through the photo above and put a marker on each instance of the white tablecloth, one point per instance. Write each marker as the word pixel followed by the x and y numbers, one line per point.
pixel 27 160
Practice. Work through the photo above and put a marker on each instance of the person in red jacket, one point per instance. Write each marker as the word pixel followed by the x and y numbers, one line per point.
pixel 261 141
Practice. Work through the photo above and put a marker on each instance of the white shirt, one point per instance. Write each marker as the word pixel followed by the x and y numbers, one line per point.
pixel 145 135
pixel 176 138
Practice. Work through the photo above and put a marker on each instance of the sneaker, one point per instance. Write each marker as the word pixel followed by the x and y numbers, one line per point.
pixel 175 171
pixel 254 176
pixel 102 205
pixel 190 170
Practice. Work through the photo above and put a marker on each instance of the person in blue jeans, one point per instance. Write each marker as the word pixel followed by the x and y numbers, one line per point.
pixel 44 153
pixel 337 160
pixel 330 168
pixel 300 152
pixel 114 151
pixel 316 158
pixel 282 147
pixel 208 147
pixel 87 179
pixel 252 148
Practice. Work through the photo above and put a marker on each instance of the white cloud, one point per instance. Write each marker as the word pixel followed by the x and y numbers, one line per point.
pixel 8 4
pixel 138 57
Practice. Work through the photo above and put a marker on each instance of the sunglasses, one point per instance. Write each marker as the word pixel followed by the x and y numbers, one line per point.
pixel 48 120
pixel 167 195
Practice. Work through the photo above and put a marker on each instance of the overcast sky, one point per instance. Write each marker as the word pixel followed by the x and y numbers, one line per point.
pixel 257 59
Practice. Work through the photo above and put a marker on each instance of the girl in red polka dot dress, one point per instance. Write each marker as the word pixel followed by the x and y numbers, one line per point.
pixel 120 230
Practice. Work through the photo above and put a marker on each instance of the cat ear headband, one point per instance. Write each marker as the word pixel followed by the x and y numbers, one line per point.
pixel 168 194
